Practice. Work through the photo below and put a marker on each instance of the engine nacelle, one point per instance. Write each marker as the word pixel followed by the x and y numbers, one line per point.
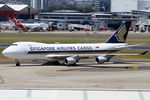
pixel 70 61
pixel 101 60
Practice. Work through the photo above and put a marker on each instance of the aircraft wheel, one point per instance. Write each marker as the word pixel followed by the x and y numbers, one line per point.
pixel 56 63
pixel 17 64
pixel 74 64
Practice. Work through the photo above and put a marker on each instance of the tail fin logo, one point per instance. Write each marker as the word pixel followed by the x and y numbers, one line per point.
pixel 120 35
pixel 10 20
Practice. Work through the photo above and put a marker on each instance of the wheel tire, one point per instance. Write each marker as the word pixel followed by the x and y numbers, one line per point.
pixel 17 64
pixel 56 63
pixel 74 64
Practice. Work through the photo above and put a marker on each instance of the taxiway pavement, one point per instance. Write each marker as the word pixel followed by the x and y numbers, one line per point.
pixel 86 75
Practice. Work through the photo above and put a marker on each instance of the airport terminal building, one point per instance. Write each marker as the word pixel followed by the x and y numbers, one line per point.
pixel 21 11
pixel 95 19
pixel 69 16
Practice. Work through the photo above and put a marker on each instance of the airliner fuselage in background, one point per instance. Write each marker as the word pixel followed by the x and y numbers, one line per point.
pixel 27 25
pixel 70 54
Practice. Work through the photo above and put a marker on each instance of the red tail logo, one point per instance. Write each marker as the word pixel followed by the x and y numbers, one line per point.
pixel 17 23
pixel 10 20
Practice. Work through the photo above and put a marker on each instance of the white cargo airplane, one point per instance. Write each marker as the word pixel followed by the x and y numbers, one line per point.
pixel 70 54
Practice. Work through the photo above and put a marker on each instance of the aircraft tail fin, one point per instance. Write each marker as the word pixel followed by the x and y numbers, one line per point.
pixel 120 36
pixel 10 20
pixel 15 19
pixel 17 23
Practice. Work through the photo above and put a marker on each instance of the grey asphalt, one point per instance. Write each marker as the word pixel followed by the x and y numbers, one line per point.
pixel 68 37
pixel 86 75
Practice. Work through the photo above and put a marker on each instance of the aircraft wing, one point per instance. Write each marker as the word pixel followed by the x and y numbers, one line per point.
pixel 58 56
pixel 86 56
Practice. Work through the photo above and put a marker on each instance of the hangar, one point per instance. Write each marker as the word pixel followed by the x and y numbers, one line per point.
pixel 21 11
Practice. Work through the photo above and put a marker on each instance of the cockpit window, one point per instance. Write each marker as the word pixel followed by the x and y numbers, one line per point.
pixel 14 45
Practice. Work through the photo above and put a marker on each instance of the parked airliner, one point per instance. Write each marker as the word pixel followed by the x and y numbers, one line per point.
pixel 31 26
pixel 70 54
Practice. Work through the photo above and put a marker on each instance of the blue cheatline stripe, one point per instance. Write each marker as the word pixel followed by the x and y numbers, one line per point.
pixel 94 51
pixel 29 93
pixel 141 96
pixel 85 95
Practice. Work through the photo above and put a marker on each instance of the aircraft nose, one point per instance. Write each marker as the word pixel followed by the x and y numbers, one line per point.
pixel 6 52
pixel 14 53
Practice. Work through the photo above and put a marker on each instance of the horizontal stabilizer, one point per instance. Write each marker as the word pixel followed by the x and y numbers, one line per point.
pixel 145 52
pixel 128 46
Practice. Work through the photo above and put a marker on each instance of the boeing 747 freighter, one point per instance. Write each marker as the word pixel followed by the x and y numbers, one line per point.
pixel 70 54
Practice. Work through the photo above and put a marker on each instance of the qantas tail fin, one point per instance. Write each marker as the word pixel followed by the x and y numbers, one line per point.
pixel 121 34
pixel 17 23
pixel 10 20
pixel 15 19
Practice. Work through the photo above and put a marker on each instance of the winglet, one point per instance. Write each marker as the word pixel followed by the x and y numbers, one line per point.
pixel 143 53
pixel 120 36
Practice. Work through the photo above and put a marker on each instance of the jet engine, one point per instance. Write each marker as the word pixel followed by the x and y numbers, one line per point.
pixel 70 61
pixel 101 60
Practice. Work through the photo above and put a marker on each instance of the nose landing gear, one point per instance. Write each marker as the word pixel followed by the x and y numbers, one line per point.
pixel 17 63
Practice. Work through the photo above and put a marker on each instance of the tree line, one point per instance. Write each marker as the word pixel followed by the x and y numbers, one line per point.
pixel 70 7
